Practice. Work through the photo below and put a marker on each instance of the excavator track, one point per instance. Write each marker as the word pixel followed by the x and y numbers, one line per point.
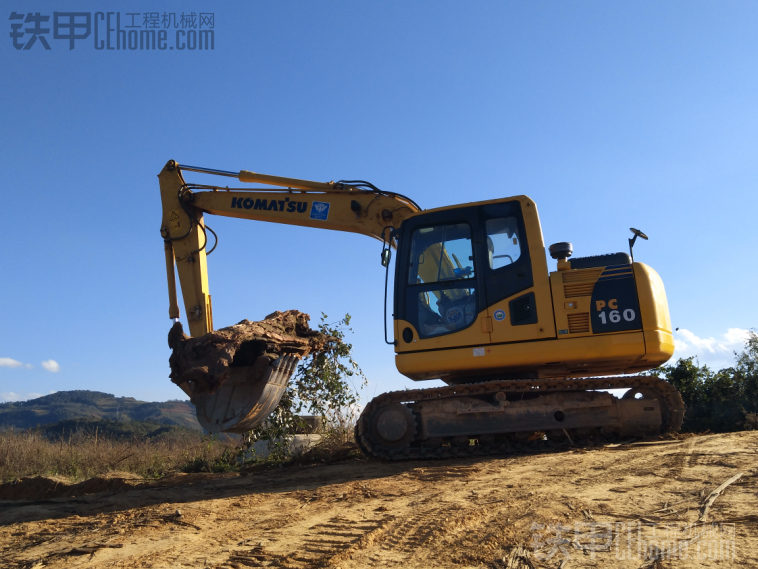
pixel 404 419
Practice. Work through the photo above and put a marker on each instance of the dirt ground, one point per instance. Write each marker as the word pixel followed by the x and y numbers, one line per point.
pixel 632 506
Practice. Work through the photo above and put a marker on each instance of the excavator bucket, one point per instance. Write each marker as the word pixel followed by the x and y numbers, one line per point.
pixel 237 375
pixel 243 401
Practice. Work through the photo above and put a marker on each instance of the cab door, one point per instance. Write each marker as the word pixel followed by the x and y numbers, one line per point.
pixel 439 293
pixel 469 276
pixel 519 303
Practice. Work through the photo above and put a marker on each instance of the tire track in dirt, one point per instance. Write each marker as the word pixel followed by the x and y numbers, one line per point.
pixel 475 533
pixel 327 543
pixel 401 541
pixel 414 537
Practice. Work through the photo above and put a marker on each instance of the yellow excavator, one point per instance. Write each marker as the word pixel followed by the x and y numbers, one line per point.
pixel 522 349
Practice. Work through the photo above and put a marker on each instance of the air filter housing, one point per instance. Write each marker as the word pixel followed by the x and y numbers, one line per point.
pixel 561 250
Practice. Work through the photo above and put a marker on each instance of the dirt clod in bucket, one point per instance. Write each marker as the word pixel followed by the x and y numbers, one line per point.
pixel 205 362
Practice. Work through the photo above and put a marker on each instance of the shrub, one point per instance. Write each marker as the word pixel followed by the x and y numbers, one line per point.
pixel 720 401
pixel 324 385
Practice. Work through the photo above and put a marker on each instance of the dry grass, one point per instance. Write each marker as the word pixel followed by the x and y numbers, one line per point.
pixel 83 455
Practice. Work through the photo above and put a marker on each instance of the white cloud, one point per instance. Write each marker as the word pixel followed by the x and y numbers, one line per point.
pixel 11 396
pixel 51 365
pixel 10 362
pixel 715 352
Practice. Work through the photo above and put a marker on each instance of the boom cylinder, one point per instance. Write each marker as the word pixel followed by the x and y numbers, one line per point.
pixel 254 178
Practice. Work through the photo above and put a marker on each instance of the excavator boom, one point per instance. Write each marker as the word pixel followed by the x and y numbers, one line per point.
pixel 339 206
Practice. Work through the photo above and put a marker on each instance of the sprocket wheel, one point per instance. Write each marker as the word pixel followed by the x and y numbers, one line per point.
pixel 672 406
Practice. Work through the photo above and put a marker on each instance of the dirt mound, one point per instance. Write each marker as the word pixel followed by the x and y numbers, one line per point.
pixel 44 487
pixel 205 362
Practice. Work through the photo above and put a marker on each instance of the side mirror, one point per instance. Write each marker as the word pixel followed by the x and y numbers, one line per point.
pixel 632 240
pixel 386 256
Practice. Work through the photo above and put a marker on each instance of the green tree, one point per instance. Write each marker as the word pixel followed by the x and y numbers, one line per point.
pixel 721 401
pixel 746 369
pixel 747 361
pixel 326 384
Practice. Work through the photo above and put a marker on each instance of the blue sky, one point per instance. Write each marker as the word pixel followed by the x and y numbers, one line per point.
pixel 609 115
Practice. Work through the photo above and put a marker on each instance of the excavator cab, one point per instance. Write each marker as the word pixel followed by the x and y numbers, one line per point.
pixel 463 260
pixel 474 299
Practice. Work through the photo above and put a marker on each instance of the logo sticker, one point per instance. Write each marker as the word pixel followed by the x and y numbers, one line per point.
pixel 478 351
pixel 274 205
pixel 499 315
pixel 320 210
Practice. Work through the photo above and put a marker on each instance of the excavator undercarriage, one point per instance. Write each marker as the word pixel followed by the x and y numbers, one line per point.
pixel 501 416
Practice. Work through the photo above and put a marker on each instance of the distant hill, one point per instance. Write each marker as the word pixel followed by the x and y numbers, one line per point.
pixel 105 428
pixel 80 404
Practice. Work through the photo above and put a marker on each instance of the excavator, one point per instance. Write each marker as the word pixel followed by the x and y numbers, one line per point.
pixel 523 350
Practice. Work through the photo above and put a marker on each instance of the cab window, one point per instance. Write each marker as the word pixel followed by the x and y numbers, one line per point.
pixel 441 254
pixel 503 243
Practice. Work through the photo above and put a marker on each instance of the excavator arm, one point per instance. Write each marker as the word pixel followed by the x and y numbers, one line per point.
pixel 353 206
